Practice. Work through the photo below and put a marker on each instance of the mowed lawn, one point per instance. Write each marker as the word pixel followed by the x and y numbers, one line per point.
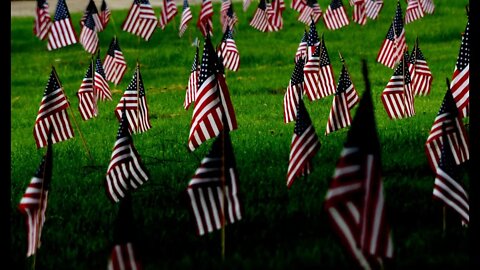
pixel 281 228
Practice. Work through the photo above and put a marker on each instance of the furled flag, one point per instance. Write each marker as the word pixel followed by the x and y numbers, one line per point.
pixel 311 71
pixel 397 97
pixel 204 22
pixel 136 105
pixel 427 6
pixel 302 47
pixel 52 115
pixel 89 36
pixel 104 14
pixel 394 45
pixel 274 14
pixel 298 5
pixel 456 133
pixel 62 33
pixel 293 93
pixel 186 18
pixel 327 80
pixel 169 12
pixel 114 63
pixel 126 170
pixel 359 12
pixel 310 10
pixel 355 202
pixel 414 11
pixel 230 19
pixel 123 255
pixel 34 202
pixel 102 90
pixel 42 20
pixel 141 20
pixel 215 185
pixel 87 102
pixel 448 187
pixel 335 16
pixel 260 18
pixel 213 110
pixel 192 86
pixel 304 146
pixel 460 86
pixel 93 11
pixel 419 72
pixel 246 4
pixel 227 50
pixel 372 8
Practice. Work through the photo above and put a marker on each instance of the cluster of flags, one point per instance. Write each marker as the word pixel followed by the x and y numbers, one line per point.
pixel 268 16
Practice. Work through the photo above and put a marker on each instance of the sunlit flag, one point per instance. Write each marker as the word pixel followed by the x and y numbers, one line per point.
pixel 227 50
pixel 89 36
pixel 230 19
pixel 104 14
pixel 192 86
pixel 311 70
pixel 294 92
pixel 394 45
pixel 93 11
pixel 335 16
pixel 204 22
pixel 43 21
pixel 414 11
pixel 114 64
pixel 419 72
pixel 302 47
pixel 260 18
pixel 327 79
pixel 102 90
pixel 372 8
pixel 186 18
pixel 87 102
pixel 460 86
pixel 169 12
pixel 62 33
pixel 359 12
pixel 141 20
pixel 309 11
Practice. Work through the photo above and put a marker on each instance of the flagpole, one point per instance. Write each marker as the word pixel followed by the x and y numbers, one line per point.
pixel 138 97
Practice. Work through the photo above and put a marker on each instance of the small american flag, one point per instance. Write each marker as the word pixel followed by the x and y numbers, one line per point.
pixel 186 18
pixel 335 16
pixel 228 51
pixel 293 93
pixel 141 19
pixel 230 19
pixel 260 18
pixel 298 5
pixel 104 14
pixel 93 11
pixel 88 36
pixel 419 72
pixel 327 80
pixel 274 13
pixel 311 70
pixel 126 170
pixel 304 146
pixel 87 102
pixel 42 20
pixel 102 90
pixel 209 191
pixel 226 4
pixel 52 115
pixel 192 86
pixel 394 45
pixel 62 33
pixel 359 12
pixel 372 8
pixel 114 63
pixel 34 202
pixel 204 22
pixel 302 47
pixel 460 86
pixel 414 11
pixel 136 105
pixel 427 6
pixel 309 11
pixel 169 12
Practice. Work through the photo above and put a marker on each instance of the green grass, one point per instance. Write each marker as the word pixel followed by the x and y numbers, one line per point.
pixel 281 228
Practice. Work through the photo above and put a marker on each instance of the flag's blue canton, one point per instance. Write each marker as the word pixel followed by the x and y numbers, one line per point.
pixel 303 119
pixel 133 84
pixel 52 84
pixel 39 173
pixel 448 105
pixel 228 34
pixel 297 75
pixel 419 54
pixel 324 59
pixel 398 21
pixel 336 4
pixel 41 3
pixel 89 72
pixel 104 6
pixel 447 163
pixel 305 36
pixel 230 11
pixel 310 3
pixel 344 81
pixel 262 5
pixel 207 67
pixel 112 48
pixel 312 37
pixel 89 22
pixel 91 8
pixel 99 67
pixel 185 4
pixel 61 12
pixel 464 56
pixel 390 34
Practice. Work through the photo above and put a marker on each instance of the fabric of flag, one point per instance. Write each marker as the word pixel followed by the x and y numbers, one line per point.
pixel 355 202
pixel 359 12
pixel 104 14
pixel 43 21
pixel 125 170
pixel 455 130
pixel 311 70
pixel 93 11
pixel 192 86
pixel 298 5
pixel 394 45
pixel 87 102
pixel 397 97
pixel 169 12
pixel 52 115
pixel 230 19
pixel 414 11
pixel 34 201
pixel 114 64
pixel 226 4
pixel 141 20
pixel 260 18
pixel 246 4
pixel 88 36
pixel 209 191
pixel 327 80
pixel 305 144
pixel 204 22
pixel 310 10
pixel 275 14
pixel 335 16
pixel 302 47
pixel 186 18
pixel 228 51
pixel 427 6
pixel 372 8
pixel 420 73
pixel 460 86
pixel 293 93
pixel 136 105
pixel 62 33
pixel 101 88
pixel 448 187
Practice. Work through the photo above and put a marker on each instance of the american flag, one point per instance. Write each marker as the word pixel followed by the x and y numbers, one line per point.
pixel 309 11
pixel 304 146
pixel 419 72
pixel 126 170
pixel 397 97
pixel 293 93
pixel 260 18
pixel 460 86
pixel 456 133
pixel 311 70
pixel 246 4
pixel 93 11
pixel 102 90
pixel 192 86
pixel 448 187
pixel 136 104
pixel 394 44
pixel 204 22
pixel 335 16
pixel 42 20
pixel 169 12
pixel 274 14
pixel 345 98
pixel 226 4
pixel 359 12
pixel 302 47
pixel 114 63
pixel 414 11
pixel 87 102
pixel 88 36
pixel 186 18
pixel 34 202
pixel 209 191
pixel 141 19
pixel 372 8
pixel 355 202
pixel 298 5
pixel 327 81
pixel 62 33
pixel 427 6
pixel 104 14
pixel 230 20
pixel 228 51
pixel 52 115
